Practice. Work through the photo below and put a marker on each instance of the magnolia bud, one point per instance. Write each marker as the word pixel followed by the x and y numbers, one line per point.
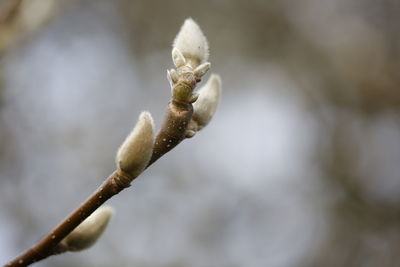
pixel 206 105
pixel 177 57
pixel 87 233
pixel 192 43
pixel 135 152
pixel 202 69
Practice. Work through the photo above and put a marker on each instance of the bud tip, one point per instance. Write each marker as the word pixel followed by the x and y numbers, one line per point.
pixel 192 43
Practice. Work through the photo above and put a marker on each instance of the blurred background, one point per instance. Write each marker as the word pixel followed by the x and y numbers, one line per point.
pixel 299 167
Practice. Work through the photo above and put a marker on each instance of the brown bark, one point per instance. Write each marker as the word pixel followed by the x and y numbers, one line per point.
pixel 172 132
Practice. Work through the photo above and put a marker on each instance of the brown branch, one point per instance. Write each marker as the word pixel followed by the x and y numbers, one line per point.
pixel 172 132
pixel 190 59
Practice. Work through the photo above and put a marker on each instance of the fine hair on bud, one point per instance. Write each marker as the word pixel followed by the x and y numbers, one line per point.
pixel 206 105
pixel 87 233
pixel 177 57
pixel 192 43
pixel 135 152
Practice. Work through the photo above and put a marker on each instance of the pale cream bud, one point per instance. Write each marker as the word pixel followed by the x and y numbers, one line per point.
pixel 135 152
pixel 202 69
pixel 206 105
pixel 192 43
pixel 87 233
pixel 177 57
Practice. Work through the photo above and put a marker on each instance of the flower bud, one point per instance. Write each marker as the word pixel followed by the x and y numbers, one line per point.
pixel 192 43
pixel 202 69
pixel 87 233
pixel 135 152
pixel 206 105
pixel 177 57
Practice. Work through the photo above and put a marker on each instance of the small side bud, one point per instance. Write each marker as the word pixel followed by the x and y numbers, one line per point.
pixel 193 98
pixel 202 69
pixel 190 133
pixel 192 43
pixel 87 233
pixel 173 75
pixel 206 105
pixel 135 152
pixel 177 57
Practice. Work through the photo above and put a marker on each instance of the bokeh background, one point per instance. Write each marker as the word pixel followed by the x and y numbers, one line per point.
pixel 299 167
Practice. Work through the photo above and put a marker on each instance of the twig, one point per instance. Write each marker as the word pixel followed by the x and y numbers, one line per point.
pixel 140 150
pixel 171 134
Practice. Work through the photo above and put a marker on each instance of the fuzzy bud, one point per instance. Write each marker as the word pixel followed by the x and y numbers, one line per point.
pixel 135 152
pixel 177 57
pixel 206 105
pixel 87 233
pixel 202 69
pixel 192 43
